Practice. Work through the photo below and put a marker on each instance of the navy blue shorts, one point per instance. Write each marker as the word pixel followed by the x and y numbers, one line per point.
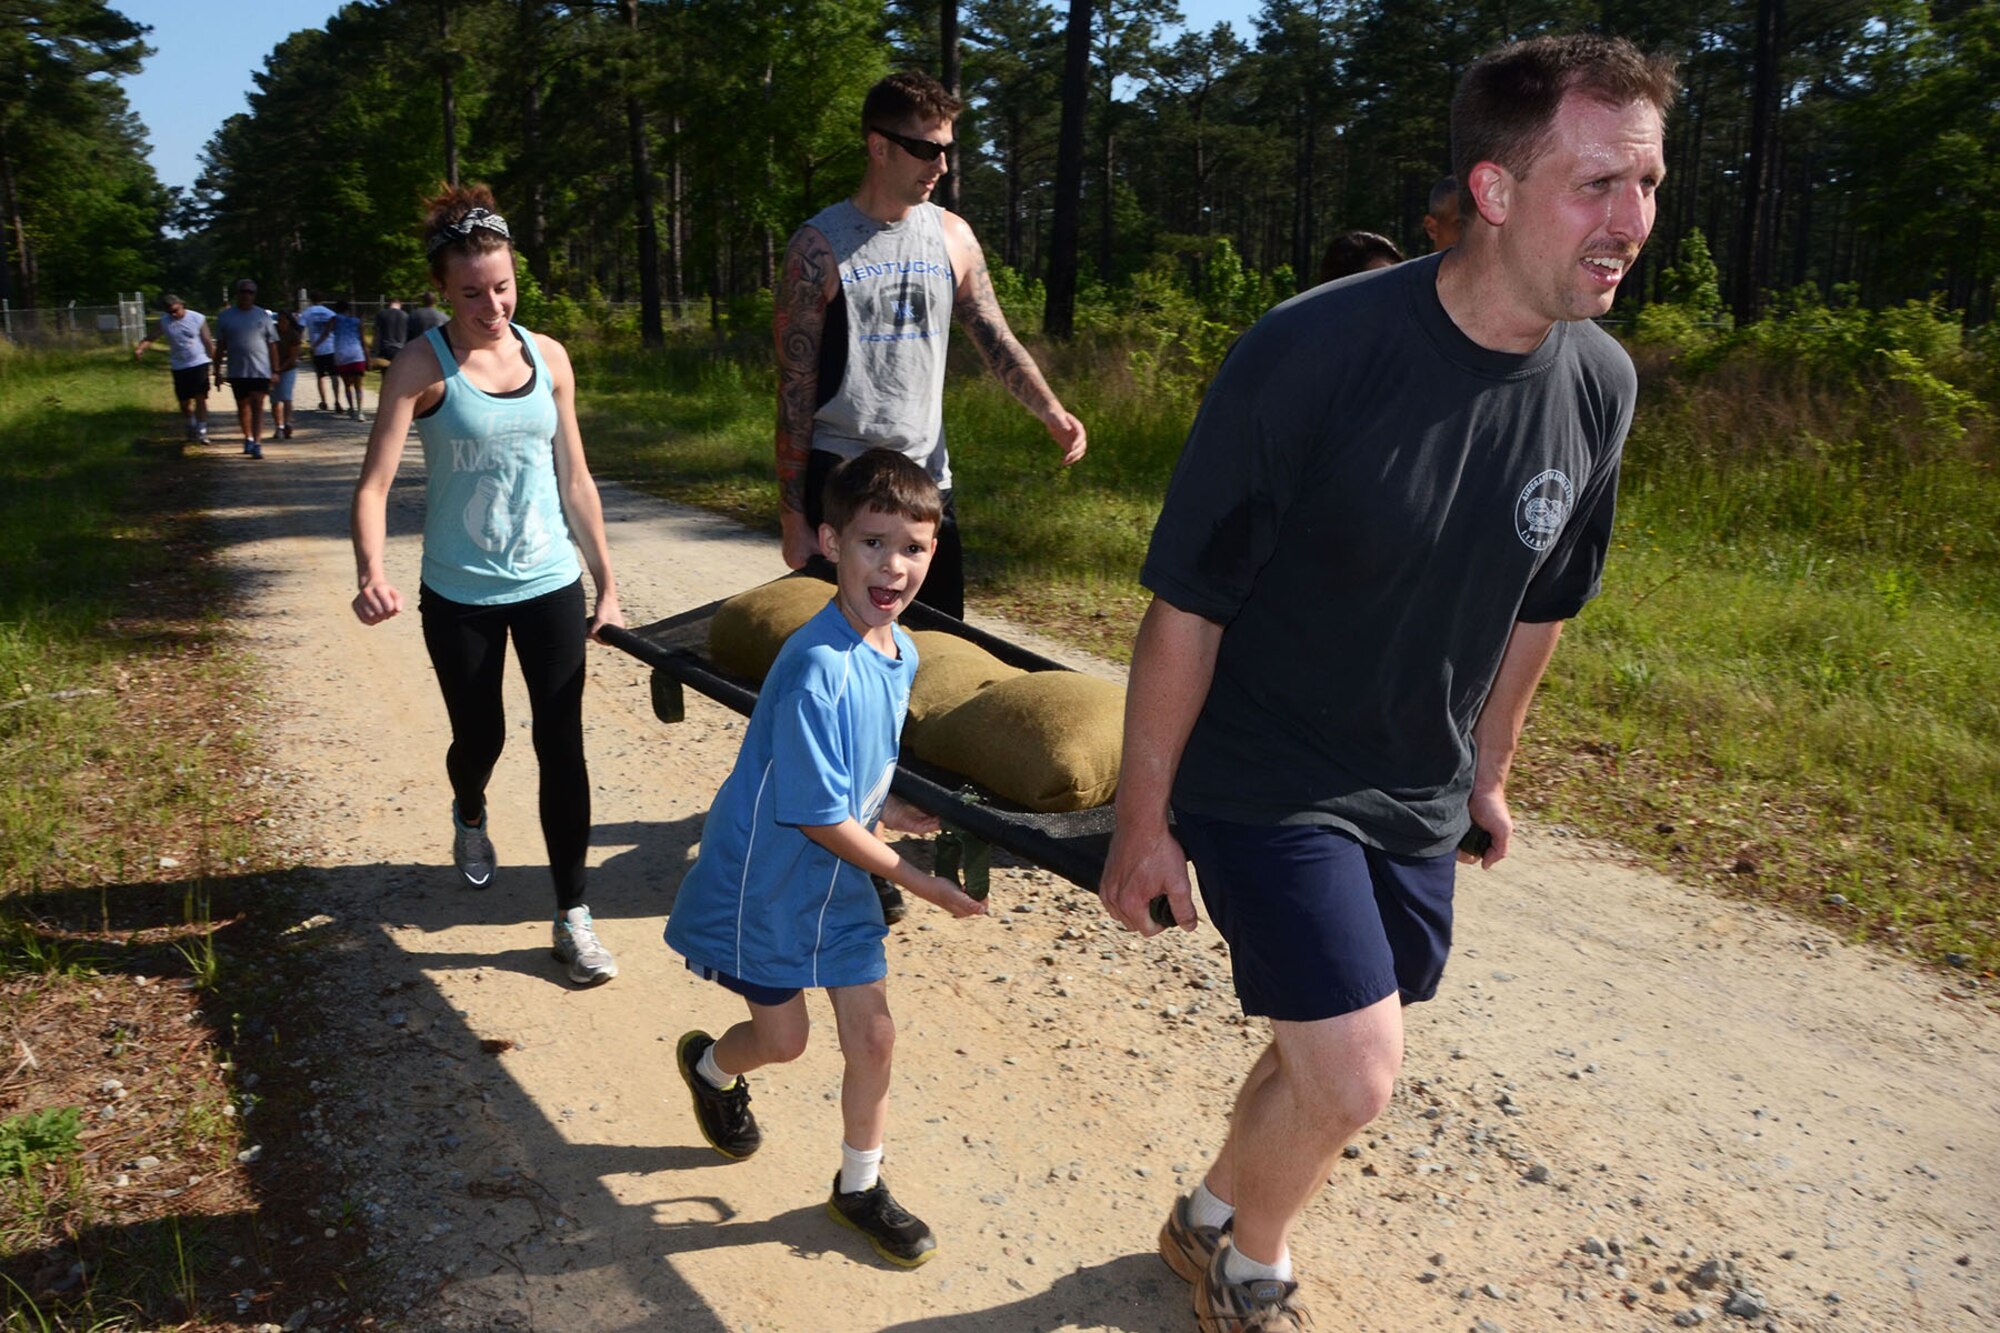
pixel 768 996
pixel 1318 923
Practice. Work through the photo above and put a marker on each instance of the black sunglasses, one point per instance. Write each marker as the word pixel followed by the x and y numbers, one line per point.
pixel 921 149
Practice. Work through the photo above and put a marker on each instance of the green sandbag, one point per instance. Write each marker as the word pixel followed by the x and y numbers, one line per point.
pixel 1047 740
pixel 748 630
pixel 950 670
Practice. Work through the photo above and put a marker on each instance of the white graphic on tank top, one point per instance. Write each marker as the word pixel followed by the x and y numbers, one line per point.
pixel 501 524
pixel 1541 509
pixel 501 516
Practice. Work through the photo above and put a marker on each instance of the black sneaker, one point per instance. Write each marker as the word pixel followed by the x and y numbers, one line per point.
pixel 894 909
pixel 723 1114
pixel 892 1233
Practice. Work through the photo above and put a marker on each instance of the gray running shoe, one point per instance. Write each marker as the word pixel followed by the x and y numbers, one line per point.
pixel 1187 1248
pixel 1263 1306
pixel 471 851
pixel 574 941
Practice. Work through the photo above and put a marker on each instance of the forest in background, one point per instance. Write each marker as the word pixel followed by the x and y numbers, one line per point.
pixel 661 151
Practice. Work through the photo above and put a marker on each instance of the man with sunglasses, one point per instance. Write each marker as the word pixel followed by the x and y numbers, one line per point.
pixel 862 312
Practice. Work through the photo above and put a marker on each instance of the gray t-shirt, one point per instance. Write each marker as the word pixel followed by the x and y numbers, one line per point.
pixel 392 330
pixel 422 319
pixel 881 371
pixel 246 337
pixel 1368 502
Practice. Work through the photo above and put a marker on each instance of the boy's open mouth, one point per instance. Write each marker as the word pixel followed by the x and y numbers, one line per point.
pixel 885 599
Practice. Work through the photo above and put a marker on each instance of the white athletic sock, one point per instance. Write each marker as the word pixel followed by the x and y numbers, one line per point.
pixel 1205 1210
pixel 1240 1267
pixel 859 1170
pixel 712 1071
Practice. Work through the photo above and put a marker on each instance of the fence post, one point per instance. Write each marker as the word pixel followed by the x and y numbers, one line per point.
pixel 6 316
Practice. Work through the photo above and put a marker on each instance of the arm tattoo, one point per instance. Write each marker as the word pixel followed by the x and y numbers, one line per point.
pixel 999 348
pixel 798 322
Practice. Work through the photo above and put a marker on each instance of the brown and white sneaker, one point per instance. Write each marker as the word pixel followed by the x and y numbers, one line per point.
pixel 1186 1247
pixel 1264 1305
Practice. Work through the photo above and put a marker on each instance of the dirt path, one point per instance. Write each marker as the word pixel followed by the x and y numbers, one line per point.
pixel 1621 1081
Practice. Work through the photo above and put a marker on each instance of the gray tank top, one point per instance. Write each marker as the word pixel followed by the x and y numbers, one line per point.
pixel 881 380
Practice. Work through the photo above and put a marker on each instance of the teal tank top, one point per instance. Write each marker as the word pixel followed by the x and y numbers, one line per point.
pixel 493 523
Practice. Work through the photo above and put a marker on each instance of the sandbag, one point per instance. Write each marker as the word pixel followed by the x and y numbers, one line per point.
pixel 950 670
pixel 748 629
pixel 1047 740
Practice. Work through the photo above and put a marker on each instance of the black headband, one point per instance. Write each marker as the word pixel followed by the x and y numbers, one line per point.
pixel 464 227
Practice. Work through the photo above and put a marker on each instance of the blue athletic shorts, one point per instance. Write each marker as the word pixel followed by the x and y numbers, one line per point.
pixel 1318 923
pixel 768 996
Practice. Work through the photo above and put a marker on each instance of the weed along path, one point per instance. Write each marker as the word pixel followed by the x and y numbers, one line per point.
pixel 1630 1101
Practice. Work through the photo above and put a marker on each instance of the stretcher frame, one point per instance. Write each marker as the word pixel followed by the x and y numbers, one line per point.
pixel 1072 845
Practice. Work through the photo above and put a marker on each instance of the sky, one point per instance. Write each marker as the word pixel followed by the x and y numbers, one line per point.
pixel 205 52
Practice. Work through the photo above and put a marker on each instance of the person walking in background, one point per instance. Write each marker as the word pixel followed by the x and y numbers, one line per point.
pixel 318 319
pixel 249 340
pixel 1442 221
pixel 190 353
pixel 425 317
pixel 391 331
pixel 1397 490
pixel 291 337
pixel 1357 252
pixel 350 359
pixel 507 491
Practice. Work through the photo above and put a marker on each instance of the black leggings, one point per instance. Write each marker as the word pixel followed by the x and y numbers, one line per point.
pixel 944 582
pixel 468 646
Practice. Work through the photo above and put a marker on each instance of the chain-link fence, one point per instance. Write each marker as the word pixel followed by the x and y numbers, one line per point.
pixel 73 324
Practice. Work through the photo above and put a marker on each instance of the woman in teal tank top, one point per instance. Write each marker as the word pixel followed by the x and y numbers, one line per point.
pixel 509 504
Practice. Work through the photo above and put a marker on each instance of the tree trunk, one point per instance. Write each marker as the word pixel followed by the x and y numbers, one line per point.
pixel 1304 267
pixel 534 234
pixel 1059 311
pixel 651 332
pixel 17 275
pixel 948 75
pixel 1107 167
pixel 677 227
pixel 447 77
pixel 1012 245
pixel 1750 275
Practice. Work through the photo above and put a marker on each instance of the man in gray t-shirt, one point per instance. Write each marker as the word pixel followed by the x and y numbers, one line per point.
pixel 248 337
pixel 1398 487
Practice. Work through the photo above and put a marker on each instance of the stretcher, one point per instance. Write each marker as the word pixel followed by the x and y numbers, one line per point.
pixel 1072 845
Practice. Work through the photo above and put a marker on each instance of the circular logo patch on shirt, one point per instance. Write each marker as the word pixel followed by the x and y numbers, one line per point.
pixel 1542 508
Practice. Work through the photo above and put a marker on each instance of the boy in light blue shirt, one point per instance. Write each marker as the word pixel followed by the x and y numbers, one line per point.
pixel 779 897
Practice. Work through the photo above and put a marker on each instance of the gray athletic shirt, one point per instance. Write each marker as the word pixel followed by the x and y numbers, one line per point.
pixel 891 320
pixel 1368 502
pixel 246 337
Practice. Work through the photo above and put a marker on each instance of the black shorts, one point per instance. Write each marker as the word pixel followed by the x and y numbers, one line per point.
pixel 1318 923
pixel 323 363
pixel 250 388
pixel 192 381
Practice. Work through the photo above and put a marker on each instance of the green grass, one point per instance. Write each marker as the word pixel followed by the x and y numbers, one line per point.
pixel 118 746
pixel 78 617
pixel 1791 684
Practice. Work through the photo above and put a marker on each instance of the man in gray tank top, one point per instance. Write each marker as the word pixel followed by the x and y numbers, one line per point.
pixel 862 312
